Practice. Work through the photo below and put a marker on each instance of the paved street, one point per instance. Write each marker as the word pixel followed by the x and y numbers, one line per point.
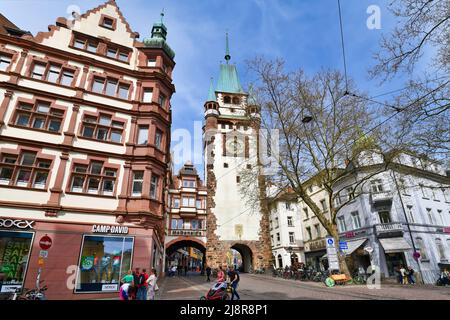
pixel 258 287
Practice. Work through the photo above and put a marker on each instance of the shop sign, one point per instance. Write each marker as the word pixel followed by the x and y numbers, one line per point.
pixel 96 228
pixel 353 234
pixel 10 288
pixel 317 245
pixel 447 230
pixel 110 287
pixel 11 223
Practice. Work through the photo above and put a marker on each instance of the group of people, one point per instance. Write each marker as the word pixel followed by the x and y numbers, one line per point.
pixel 445 277
pixel 138 285
pixel 406 275
pixel 232 275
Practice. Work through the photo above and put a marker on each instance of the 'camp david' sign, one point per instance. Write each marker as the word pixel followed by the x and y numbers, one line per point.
pixel 96 228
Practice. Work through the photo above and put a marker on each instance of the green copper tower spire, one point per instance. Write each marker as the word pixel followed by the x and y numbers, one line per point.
pixel 211 92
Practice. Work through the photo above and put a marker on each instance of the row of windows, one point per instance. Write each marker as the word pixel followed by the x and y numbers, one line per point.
pixel 102 127
pixel 30 171
pixel 24 170
pixel 439 245
pixel 64 75
pixel 92 46
pixel 186 201
pixel 290 222
pixel 278 238
pixel 188 224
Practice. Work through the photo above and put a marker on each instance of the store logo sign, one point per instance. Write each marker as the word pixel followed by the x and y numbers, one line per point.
pixel 109 229
pixel 10 223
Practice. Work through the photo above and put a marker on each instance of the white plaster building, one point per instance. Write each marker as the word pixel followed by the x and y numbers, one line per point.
pixel 404 208
pixel 286 232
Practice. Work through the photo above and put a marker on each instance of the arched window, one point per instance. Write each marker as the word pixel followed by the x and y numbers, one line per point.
pixel 421 249
pixel 227 99
pixel 236 100
pixel 441 250
pixel 294 258
pixel 280 261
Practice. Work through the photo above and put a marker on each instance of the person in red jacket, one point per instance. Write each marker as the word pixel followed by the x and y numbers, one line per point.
pixel 143 286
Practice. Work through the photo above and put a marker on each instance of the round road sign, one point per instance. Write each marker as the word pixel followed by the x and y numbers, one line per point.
pixel 45 243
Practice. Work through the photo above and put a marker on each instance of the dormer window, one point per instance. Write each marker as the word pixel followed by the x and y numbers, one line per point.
pixel 84 44
pixel 235 100
pixel 227 99
pixel 107 22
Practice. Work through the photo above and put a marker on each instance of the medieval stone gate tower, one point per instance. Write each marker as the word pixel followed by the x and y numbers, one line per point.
pixel 231 145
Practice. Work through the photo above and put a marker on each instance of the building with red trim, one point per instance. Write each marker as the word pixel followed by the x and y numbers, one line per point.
pixel 85 121
pixel 186 216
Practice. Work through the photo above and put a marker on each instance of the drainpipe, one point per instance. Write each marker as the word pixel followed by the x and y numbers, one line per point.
pixel 407 223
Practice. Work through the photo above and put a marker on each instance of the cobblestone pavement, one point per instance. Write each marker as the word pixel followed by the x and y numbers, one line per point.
pixel 261 287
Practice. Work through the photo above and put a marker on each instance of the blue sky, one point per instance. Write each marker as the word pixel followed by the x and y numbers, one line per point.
pixel 303 32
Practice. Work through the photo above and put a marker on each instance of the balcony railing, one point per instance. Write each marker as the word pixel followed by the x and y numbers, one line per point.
pixel 383 196
pixel 389 228
pixel 189 233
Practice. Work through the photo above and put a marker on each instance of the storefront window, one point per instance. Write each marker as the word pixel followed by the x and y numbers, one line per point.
pixel 104 261
pixel 14 256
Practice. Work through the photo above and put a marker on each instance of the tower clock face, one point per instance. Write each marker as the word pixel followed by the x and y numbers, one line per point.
pixel 234 147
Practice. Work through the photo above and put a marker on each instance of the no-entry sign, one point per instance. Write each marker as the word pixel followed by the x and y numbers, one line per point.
pixel 45 243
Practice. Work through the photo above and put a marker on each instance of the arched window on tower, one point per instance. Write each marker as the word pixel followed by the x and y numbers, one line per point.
pixel 227 99
pixel 236 100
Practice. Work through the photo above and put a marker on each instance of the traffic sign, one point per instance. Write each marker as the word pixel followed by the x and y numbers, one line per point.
pixel 45 243
pixel 43 254
pixel 416 255
pixel 343 245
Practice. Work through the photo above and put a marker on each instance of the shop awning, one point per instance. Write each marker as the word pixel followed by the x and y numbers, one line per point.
pixel 353 245
pixel 391 245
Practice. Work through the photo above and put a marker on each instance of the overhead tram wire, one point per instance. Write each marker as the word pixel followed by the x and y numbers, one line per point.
pixel 343 48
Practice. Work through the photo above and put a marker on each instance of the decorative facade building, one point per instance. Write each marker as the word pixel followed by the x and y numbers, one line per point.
pixel 402 217
pixel 231 146
pixel 186 215
pixel 85 121
pixel 286 232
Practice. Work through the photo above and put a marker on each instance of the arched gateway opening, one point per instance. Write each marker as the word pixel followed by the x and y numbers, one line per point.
pixel 190 253
pixel 246 255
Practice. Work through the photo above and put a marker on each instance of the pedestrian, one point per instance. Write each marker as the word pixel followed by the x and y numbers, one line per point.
pixel 220 275
pixel 185 269
pixel 399 275
pixel 404 275
pixel 234 281
pixel 179 268
pixel 134 288
pixel 411 278
pixel 128 281
pixel 208 273
pixel 142 290
pixel 152 286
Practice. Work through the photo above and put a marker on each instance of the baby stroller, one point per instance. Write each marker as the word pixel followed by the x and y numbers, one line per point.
pixel 219 291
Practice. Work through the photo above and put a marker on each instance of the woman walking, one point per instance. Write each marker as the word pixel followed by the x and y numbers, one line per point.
pixel 152 286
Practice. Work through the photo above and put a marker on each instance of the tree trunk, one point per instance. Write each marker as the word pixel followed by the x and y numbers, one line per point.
pixel 342 262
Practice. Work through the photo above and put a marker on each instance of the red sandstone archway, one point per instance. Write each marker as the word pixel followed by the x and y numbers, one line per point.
pixel 183 241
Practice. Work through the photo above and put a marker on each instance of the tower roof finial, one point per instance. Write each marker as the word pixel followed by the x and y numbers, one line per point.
pixel 162 15
pixel 227 49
